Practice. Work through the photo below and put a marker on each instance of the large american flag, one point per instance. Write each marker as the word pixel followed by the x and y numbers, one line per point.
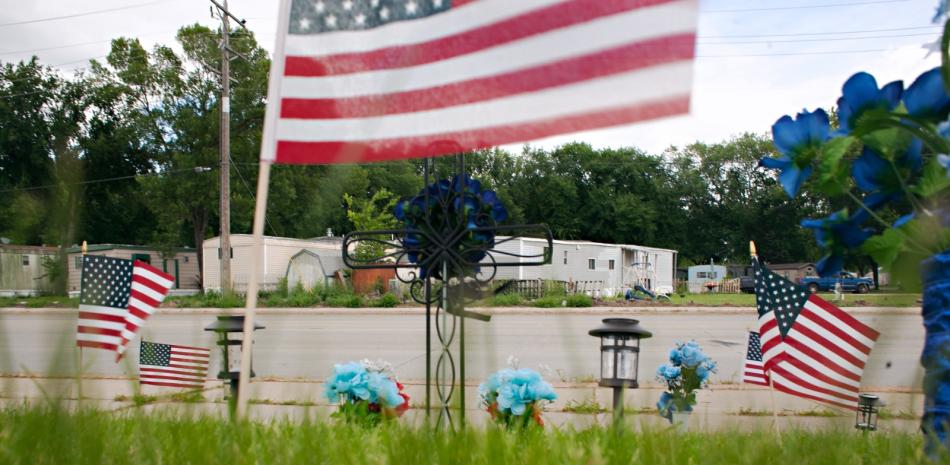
pixel 810 348
pixel 369 80
pixel 173 365
pixel 116 297
pixel 753 370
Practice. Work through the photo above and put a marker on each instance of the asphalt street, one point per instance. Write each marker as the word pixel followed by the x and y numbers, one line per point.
pixel 302 345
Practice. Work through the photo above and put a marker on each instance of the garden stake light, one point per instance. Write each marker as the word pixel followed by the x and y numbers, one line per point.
pixel 866 417
pixel 619 356
pixel 230 330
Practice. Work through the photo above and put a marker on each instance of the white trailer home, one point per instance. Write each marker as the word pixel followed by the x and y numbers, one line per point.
pixel 612 268
pixel 276 258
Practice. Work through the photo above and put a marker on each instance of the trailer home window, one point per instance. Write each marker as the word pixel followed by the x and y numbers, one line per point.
pixel 590 263
pixel 26 260
pixel 565 257
pixel 610 265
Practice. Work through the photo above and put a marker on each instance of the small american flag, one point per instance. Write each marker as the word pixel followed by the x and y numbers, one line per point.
pixel 810 348
pixel 753 371
pixel 116 297
pixel 172 365
pixel 370 80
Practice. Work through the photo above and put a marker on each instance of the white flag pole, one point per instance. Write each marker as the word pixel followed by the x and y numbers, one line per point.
pixel 268 152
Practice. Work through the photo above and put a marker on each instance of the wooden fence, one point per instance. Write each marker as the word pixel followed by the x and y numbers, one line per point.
pixel 537 288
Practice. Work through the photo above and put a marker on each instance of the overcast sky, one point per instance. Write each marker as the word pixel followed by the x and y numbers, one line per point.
pixel 756 60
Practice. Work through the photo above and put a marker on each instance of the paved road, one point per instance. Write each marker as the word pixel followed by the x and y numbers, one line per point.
pixel 297 345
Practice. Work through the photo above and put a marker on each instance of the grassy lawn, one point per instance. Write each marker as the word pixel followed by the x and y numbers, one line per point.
pixel 850 300
pixel 46 301
pixel 49 436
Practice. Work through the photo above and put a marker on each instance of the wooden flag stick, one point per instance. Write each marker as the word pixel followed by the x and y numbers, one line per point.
pixel 260 210
pixel 778 432
pixel 268 151
pixel 752 249
pixel 83 250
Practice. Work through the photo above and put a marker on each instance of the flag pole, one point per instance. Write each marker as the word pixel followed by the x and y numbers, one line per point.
pixel 83 250
pixel 268 152
pixel 260 210
pixel 778 433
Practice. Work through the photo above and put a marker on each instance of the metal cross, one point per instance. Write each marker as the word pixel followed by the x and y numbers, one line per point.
pixel 445 267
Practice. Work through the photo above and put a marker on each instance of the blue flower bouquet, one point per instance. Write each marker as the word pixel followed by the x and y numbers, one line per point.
pixel 687 372
pixel 368 392
pixel 514 398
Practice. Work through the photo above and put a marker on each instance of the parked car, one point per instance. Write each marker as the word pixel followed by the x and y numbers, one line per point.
pixel 850 282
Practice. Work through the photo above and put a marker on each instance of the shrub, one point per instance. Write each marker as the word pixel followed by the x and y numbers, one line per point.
pixel 386 300
pixel 345 300
pixel 549 301
pixel 506 300
pixel 580 300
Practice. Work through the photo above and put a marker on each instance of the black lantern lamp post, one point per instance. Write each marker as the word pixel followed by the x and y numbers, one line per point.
pixel 230 330
pixel 866 417
pixel 619 356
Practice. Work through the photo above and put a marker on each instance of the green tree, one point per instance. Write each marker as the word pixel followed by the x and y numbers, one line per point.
pixel 373 213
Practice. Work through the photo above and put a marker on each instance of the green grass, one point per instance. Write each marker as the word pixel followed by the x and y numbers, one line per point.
pixel 45 301
pixel 850 300
pixel 50 436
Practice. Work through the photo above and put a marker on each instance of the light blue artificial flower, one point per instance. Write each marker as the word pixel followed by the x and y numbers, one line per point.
pixel 860 94
pixel 668 372
pixel 676 358
pixel 692 355
pixel 515 389
pixel 798 141
pixel 943 7
pixel 349 380
pixel 383 390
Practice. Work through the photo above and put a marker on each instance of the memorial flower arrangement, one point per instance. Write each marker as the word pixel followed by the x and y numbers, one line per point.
pixel 687 372
pixel 447 205
pixel 515 397
pixel 368 392
pixel 888 158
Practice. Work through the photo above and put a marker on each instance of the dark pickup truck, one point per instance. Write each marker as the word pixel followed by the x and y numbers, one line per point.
pixel 849 283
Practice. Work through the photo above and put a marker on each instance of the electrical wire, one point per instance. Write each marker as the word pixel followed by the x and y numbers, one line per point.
pixel 802 7
pixel 824 39
pixel 795 34
pixel 96 181
pixel 87 13
pixel 251 193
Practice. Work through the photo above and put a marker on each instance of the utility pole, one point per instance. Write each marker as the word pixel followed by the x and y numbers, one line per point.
pixel 225 143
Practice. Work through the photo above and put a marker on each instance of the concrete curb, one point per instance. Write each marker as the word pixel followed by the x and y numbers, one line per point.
pixel 486 310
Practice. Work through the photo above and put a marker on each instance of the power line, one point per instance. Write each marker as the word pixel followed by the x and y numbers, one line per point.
pixel 197 169
pixel 834 52
pixel 251 193
pixel 802 7
pixel 796 34
pixel 823 39
pixel 87 13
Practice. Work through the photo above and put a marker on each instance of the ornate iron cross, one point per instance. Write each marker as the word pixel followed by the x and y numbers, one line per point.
pixel 450 247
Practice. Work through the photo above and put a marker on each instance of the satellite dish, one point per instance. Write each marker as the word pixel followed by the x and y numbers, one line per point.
pixel 4 240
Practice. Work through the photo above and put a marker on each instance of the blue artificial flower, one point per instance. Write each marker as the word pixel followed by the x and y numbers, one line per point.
pixel 943 7
pixel 838 228
pixel 836 233
pixel 860 94
pixel 797 141
pixel 927 97
pixel 904 219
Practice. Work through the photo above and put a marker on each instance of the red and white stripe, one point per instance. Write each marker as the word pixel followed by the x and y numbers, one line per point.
pixel 486 73
pixel 754 373
pixel 187 368
pixel 148 290
pixel 100 327
pixel 822 357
